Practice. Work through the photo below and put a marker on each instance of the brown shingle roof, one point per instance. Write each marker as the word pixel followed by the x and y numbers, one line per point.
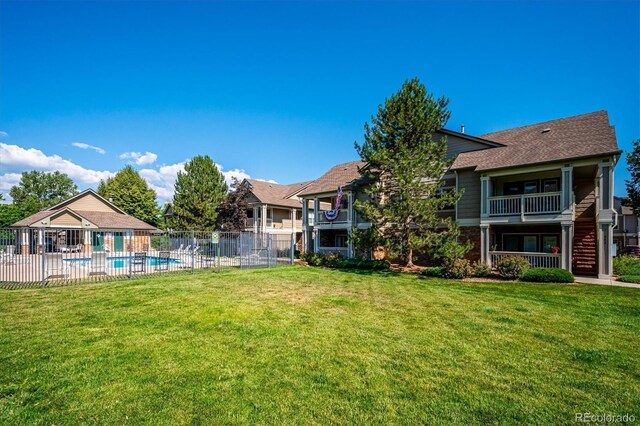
pixel 580 136
pixel 339 175
pixel 276 194
pixel 107 220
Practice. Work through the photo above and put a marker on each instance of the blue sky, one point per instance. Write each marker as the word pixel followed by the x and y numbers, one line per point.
pixel 281 90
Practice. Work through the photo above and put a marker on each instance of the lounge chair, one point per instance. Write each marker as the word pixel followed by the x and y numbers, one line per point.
pixel 179 249
pixel 76 249
pixel 162 262
pixel 98 264
pixel 64 249
pixel 139 262
pixel 55 266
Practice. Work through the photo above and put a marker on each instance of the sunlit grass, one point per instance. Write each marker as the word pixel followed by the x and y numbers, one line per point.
pixel 306 345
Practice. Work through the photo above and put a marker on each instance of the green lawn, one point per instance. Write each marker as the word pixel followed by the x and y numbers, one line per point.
pixel 309 345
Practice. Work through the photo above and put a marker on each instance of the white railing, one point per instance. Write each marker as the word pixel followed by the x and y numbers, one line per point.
pixel 512 205
pixel 537 260
pixel 342 217
pixel 342 250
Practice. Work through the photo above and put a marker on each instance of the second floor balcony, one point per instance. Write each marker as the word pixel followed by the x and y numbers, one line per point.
pixel 525 204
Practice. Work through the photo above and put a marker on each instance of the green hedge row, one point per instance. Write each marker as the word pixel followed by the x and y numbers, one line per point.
pixel 376 265
pixel 630 279
pixel 548 275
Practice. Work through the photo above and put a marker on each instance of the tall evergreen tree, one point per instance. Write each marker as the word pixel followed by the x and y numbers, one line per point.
pixel 198 192
pixel 232 210
pixel 131 193
pixel 404 170
pixel 38 190
pixel 633 184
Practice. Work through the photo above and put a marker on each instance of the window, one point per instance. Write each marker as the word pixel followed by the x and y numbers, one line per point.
pixel 341 241
pixel 530 243
pixel 531 187
pixel 549 241
pixel 550 185
pixel 512 188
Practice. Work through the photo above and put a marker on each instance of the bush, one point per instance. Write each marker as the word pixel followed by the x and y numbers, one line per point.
pixel 457 268
pixel 512 267
pixel 548 275
pixel 331 260
pixel 482 270
pixel 316 259
pixel 377 265
pixel 630 279
pixel 626 265
pixel 434 271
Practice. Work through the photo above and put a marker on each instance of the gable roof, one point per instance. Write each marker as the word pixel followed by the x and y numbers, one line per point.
pixel 339 175
pixel 276 194
pixel 117 219
pixel 580 136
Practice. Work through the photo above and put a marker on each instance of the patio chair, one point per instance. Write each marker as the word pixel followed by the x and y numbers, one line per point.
pixel 76 249
pixel 139 262
pixel 162 262
pixel 55 266
pixel 64 249
pixel 98 265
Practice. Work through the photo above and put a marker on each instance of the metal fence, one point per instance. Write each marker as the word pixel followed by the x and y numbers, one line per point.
pixel 55 256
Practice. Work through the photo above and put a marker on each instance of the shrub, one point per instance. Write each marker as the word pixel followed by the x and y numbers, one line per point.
pixel 434 271
pixel 630 279
pixel 512 267
pixel 331 260
pixel 457 268
pixel 548 275
pixel 481 270
pixel 626 265
pixel 316 259
pixel 296 254
pixel 305 256
pixel 378 265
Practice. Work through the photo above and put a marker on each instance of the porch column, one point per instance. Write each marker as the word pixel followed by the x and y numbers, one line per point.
pixel 305 225
pixel 264 219
pixel 256 212
pixel 567 189
pixel 484 245
pixel 316 210
pixel 605 259
pixel 24 241
pixel 40 248
pixel 86 240
pixel 349 243
pixel 349 209
pixel 484 196
pixel 566 246
pixel 293 221
pixel 316 241
pixel 605 220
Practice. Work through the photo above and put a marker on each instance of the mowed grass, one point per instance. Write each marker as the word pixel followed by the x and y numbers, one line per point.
pixel 305 345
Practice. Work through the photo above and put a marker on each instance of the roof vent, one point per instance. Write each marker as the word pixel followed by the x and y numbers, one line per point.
pixel 546 130
pixel 462 128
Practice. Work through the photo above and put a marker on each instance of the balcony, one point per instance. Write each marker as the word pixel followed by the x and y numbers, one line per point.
pixel 525 204
pixel 343 217
pixel 537 260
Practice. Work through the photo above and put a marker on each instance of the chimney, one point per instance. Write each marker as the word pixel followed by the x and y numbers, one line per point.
pixel 462 128
pixel 111 198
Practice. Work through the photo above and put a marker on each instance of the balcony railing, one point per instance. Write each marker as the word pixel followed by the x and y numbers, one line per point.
pixel 343 215
pixel 537 260
pixel 525 204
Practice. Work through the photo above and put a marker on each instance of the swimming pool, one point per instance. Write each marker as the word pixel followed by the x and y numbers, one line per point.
pixel 121 261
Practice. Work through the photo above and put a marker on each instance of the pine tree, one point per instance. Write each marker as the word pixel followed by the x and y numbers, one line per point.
pixel 404 171
pixel 633 184
pixel 131 193
pixel 232 211
pixel 198 192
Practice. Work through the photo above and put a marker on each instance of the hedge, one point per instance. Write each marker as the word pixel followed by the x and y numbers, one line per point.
pixel 548 275
pixel 378 265
pixel 434 271
pixel 630 279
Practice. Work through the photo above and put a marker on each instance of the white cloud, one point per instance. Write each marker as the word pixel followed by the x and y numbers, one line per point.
pixel 3 134
pixel 14 158
pixel 87 146
pixel 139 158
pixel 267 180
pixel 162 179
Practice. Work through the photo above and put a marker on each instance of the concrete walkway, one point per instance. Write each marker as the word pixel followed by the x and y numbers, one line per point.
pixel 598 281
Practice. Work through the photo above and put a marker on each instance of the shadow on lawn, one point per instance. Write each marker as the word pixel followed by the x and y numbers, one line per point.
pixel 371 272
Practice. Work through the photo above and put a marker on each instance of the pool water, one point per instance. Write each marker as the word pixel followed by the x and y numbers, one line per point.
pixel 121 261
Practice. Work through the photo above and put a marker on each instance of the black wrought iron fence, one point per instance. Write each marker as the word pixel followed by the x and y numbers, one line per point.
pixel 57 256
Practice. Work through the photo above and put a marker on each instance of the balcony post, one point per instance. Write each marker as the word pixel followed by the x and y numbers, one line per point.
pixel 264 218
pixel 566 246
pixel 484 196
pixel 522 207
pixel 484 245
pixel 316 210
pixel 255 219
pixel 567 189
pixel 349 207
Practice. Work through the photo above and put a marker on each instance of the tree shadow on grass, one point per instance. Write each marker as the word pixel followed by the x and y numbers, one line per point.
pixel 371 272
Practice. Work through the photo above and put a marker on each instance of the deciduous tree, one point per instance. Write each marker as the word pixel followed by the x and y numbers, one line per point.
pixel 633 184
pixel 38 190
pixel 131 193
pixel 232 211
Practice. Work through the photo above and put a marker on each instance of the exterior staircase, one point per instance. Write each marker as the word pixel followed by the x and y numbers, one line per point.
pixel 585 250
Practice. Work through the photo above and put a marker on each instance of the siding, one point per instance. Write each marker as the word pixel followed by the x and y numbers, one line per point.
pixel 89 202
pixel 66 219
pixel 469 204
pixel 456 145
pixel 585 195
